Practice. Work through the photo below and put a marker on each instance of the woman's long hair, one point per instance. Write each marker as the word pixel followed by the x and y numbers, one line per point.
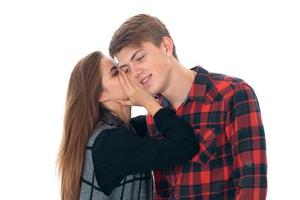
pixel 81 116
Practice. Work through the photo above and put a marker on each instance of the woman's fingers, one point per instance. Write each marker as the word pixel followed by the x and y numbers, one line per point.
pixel 137 83
pixel 126 78
pixel 123 82
pixel 133 89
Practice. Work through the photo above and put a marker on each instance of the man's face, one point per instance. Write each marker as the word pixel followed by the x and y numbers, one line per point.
pixel 149 64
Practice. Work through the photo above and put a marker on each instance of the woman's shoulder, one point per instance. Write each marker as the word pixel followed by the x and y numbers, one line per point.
pixel 110 136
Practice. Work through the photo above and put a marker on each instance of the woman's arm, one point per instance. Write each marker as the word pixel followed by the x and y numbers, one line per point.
pixel 140 125
pixel 118 152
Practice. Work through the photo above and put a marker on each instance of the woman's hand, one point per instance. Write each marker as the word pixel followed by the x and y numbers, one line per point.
pixel 137 95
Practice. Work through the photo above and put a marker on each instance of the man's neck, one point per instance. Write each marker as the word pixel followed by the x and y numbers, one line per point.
pixel 181 80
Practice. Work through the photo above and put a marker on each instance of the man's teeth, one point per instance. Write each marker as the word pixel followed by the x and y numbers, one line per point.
pixel 145 80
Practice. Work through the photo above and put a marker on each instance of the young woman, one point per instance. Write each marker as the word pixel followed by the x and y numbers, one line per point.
pixel 105 154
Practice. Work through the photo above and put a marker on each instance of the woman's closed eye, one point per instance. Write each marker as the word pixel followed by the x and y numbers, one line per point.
pixel 114 71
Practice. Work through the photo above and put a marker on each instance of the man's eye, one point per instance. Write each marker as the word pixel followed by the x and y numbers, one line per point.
pixel 140 58
pixel 126 69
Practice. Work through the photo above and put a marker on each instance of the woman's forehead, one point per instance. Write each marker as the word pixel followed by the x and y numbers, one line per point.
pixel 107 64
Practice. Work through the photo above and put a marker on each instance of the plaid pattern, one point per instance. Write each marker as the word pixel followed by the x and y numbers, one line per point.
pixel 231 163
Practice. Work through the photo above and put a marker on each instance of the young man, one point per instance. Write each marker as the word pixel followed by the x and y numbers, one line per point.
pixel 223 111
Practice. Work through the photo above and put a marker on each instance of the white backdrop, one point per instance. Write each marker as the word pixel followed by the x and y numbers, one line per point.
pixel 41 41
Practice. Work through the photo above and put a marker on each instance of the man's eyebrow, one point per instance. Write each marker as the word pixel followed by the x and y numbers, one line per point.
pixel 132 57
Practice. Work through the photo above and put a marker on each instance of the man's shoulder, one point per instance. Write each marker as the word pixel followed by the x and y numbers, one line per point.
pixel 222 86
pixel 217 78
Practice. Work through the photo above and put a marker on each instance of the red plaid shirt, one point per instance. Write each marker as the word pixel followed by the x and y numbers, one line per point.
pixel 231 163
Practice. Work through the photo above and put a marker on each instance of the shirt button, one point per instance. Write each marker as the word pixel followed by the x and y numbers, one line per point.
pixel 249 164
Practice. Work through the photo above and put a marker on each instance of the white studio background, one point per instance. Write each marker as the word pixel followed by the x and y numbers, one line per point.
pixel 41 41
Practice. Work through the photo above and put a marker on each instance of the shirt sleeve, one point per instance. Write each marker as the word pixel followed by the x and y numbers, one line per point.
pixel 140 125
pixel 119 152
pixel 249 147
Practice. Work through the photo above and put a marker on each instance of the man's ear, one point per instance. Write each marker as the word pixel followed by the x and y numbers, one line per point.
pixel 167 45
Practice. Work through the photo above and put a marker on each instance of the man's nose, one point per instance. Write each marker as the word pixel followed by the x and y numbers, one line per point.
pixel 136 71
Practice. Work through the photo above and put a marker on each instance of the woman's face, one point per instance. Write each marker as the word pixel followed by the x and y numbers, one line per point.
pixel 111 86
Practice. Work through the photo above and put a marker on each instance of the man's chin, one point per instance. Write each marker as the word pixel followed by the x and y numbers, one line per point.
pixel 151 91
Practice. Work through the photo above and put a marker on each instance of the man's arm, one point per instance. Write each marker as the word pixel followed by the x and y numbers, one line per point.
pixel 249 147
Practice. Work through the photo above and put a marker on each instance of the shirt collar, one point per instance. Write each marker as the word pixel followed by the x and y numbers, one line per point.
pixel 197 91
pixel 112 120
pixel 109 118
